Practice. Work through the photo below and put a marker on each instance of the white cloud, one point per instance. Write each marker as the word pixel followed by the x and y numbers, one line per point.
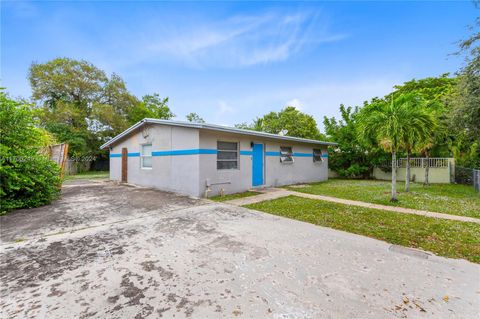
pixel 224 108
pixel 239 40
pixel 319 98
pixel 296 103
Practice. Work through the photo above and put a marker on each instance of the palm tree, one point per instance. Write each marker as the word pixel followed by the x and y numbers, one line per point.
pixel 420 129
pixel 393 125
pixel 425 151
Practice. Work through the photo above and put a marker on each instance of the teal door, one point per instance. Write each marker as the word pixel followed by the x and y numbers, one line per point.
pixel 257 165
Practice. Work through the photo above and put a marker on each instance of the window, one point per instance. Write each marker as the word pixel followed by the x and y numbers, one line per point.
pixel 317 155
pixel 227 155
pixel 146 156
pixel 286 154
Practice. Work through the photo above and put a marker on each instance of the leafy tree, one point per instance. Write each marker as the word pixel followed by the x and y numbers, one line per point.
pixel 288 121
pixel 27 178
pixel 151 106
pixel 68 81
pixel 389 124
pixel 83 107
pixel 195 118
pixel 350 158
pixel 420 129
pixel 244 126
pixel 110 112
pixel 74 94
pixel 465 117
pixel 436 94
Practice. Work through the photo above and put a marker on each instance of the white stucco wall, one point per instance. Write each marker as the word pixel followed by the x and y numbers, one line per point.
pixel 174 173
pixel 302 170
pixel 233 180
pixel 188 174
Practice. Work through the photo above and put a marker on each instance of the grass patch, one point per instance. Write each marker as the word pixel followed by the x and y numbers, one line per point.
pixel 443 237
pixel 88 175
pixel 233 196
pixel 441 198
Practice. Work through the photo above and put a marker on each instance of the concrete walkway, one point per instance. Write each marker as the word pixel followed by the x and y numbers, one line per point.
pixel 274 193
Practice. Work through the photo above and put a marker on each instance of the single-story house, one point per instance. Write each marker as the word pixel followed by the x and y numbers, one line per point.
pixel 203 160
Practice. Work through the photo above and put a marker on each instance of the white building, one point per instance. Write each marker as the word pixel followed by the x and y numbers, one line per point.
pixel 204 159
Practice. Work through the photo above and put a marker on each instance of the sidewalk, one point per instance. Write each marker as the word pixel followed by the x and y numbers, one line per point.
pixel 274 193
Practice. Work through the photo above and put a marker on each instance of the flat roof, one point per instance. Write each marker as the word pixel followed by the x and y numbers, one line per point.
pixel 212 127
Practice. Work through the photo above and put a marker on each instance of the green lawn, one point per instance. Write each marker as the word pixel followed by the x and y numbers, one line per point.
pixel 233 196
pixel 443 237
pixel 88 175
pixel 442 198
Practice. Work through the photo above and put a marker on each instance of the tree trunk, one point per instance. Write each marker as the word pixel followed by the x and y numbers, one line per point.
pixel 394 177
pixel 407 173
pixel 427 168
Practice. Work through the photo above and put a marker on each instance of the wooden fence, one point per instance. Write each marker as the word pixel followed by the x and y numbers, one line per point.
pixel 59 154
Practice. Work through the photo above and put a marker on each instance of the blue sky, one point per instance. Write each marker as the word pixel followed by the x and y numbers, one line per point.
pixel 231 62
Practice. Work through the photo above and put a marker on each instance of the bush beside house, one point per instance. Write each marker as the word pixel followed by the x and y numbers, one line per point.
pixel 27 177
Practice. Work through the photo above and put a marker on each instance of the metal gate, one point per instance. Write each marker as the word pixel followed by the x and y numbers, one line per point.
pixel 467 176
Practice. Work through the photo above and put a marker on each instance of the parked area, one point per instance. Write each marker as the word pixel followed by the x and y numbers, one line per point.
pixel 441 198
pixel 107 250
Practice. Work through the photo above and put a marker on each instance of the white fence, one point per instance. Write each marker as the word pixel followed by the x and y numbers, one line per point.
pixel 440 170
pixel 433 162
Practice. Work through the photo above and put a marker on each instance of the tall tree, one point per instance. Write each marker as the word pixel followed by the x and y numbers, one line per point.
pixel 351 158
pixel 466 100
pixel 388 123
pixel 151 106
pixel 420 129
pixel 435 93
pixel 82 106
pixel 194 117
pixel 65 80
pixel 79 104
pixel 288 121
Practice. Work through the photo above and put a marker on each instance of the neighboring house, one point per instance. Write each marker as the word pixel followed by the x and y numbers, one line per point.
pixel 203 160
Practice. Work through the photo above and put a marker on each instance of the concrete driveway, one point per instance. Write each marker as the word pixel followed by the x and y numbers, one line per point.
pixel 107 251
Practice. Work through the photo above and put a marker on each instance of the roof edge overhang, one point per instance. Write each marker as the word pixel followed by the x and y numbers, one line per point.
pixel 211 127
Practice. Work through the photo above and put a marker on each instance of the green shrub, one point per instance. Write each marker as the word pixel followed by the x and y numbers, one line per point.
pixel 27 178
pixel 354 171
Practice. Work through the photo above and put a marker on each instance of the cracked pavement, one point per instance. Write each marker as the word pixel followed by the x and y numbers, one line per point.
pixel 113 251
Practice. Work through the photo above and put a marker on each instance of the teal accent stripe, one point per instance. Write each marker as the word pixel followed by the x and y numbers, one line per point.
pixel 208 151
pixel 129 155
pixel 171 153
pixel 303 154
pixel 184 152
pixel 272 153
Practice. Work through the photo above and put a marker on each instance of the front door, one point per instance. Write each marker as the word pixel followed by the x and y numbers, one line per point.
pixel 124 165
pixel 257 165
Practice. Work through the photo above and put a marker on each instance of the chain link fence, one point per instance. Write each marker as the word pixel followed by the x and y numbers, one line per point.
pixel 468 176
